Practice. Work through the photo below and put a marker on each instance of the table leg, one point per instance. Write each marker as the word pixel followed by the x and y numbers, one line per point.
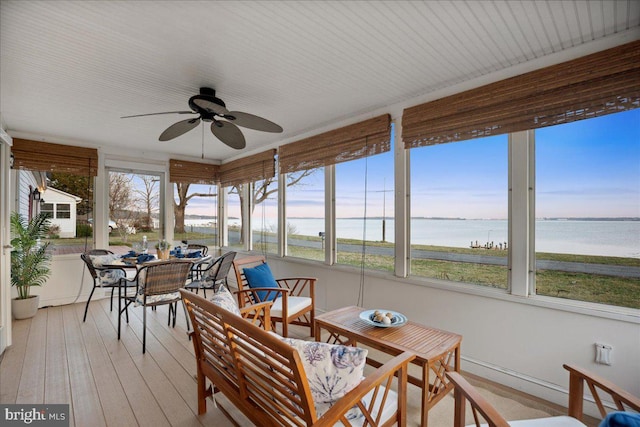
pixel 119 307
pixel 424 412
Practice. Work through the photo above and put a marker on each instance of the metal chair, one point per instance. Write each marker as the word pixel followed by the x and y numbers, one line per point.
pixel 98 274
pixel 196 247
pixel 158 283
pixel 214 274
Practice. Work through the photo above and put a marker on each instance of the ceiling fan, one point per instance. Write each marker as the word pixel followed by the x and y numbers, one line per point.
pixel 224 123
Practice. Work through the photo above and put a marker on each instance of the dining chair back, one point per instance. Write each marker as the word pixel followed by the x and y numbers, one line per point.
pixel 159 283
pixel 204 249
pixel 213 275
pixel 100 275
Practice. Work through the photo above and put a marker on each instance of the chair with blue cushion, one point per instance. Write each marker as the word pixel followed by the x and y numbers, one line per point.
pixel 578 377
pixel 293 298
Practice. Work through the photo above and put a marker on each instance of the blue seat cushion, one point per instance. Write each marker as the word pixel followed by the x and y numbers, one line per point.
pixel 261 277
pixel 621 419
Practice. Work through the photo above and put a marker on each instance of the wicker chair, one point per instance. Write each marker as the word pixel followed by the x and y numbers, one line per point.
pixel 482 410
pixel 213 274
pixel 158 283
pixel 295 297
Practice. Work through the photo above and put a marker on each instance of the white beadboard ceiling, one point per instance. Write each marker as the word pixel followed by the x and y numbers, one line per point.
pixel 70 69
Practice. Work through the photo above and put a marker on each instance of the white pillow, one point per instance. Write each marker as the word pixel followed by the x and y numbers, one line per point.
pixel 332 370
pixel 223 298
pixel 107 277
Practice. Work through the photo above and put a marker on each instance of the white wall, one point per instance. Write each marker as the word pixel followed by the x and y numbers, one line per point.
pixel 67 225
pixel 515 341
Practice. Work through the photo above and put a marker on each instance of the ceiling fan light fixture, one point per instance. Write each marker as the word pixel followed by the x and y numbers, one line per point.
pixel 208 106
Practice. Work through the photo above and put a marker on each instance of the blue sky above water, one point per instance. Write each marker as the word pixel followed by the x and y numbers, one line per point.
pixel 588 168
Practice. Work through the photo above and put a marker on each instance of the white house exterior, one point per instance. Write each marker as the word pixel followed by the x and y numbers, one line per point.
pixel 62 208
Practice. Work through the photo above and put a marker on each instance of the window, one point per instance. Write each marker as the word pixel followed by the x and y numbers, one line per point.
pixel 459 211
pixel 196 213
pixel 63 210
pixel 264 215
pixel 305 214
pixel 364 212
pixel 47 209
pixel 135 199
pixel 235 207
pixel 588 210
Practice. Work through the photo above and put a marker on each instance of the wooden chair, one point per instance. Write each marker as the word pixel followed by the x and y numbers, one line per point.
pixel 482 410
pixel 158 283
pixel 213 274
pixel 295 297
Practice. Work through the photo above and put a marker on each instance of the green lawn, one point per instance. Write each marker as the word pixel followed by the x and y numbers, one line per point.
pixel 618 291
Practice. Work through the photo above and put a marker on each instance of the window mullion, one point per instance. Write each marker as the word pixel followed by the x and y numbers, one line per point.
pixel 520 213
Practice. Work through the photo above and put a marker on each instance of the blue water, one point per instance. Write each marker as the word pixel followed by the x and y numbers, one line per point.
pixel 613 238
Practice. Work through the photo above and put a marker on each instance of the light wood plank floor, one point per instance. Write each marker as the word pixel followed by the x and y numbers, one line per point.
pixel 56 358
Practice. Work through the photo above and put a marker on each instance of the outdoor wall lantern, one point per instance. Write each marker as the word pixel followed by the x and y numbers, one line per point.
pixel 36 195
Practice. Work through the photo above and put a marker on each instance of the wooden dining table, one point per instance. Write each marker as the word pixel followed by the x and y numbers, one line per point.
pixel 436 351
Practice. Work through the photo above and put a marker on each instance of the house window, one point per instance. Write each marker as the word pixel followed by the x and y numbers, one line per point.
pixel 305 214
pixel 264 215
pixel 587 209
pixel 196 213
pixel 63 210
pixel 235 209
pixel 47 209
pixel 364 212
pixel 459 211
pixel 135 201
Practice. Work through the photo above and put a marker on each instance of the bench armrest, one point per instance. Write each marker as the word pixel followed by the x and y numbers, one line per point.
pixel 578 377
pixel 381 377
pixel 259 314
pixel 462 392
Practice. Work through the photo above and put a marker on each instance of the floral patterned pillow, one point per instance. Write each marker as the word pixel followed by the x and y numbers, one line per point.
pixel 106 277
pixel 224 299
pixel 332 370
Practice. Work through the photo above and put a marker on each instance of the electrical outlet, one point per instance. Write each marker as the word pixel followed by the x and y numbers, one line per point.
pixel 603 354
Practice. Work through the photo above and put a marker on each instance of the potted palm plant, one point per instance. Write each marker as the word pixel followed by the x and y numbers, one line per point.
pixel 29 262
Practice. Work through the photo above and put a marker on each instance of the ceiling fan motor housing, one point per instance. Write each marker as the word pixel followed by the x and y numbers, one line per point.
pixel 206 94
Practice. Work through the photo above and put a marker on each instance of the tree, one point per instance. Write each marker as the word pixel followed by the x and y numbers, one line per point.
pixel 148 199
pixel 263 189
pixel 77 185
pixel 120 201
pixel 179 207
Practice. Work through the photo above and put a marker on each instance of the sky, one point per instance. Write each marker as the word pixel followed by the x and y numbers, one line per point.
pixel 588 168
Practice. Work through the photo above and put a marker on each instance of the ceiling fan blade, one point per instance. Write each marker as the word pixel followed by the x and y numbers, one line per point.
pixel 155 114
pixel 251 121
pixel 177 129
pixel 229 134
pixel 210 106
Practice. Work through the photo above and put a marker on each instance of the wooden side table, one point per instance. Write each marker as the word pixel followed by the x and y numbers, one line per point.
pixel 436 351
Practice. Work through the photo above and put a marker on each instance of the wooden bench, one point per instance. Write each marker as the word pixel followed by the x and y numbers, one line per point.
pixel 264 377
pixel 578 377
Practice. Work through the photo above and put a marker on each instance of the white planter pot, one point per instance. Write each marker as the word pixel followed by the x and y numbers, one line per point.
pixel 25 308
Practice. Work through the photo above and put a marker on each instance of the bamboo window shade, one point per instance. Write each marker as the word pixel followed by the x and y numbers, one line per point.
pixel 249 169
pixel 50 157
pixel 594 85
pixel 193 172
pixel 351 142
